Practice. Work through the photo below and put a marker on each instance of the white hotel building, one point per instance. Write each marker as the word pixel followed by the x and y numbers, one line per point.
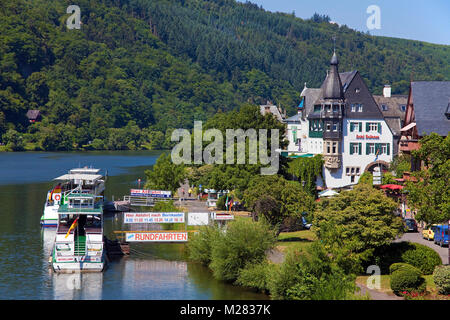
pixel 344 124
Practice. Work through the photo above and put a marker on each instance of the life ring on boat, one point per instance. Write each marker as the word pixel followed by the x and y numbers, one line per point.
pixel 57 197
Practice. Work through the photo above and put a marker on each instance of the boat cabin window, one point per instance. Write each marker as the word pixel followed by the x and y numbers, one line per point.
pixel 76 203
pixel 93 221
pixel 212 195
pixel 63 218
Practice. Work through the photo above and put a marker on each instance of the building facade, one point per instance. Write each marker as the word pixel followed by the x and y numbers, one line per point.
pixel 342 121
pixel 393 108
pixel 428 110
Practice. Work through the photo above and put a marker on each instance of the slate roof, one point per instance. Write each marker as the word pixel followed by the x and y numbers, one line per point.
pixel 346 78
pixel 311 95
pixel 394 116
pixel 273 110
pixel 394 104
pixel 430 100
pixel 33 114
pixel 295 118
pixel 332 86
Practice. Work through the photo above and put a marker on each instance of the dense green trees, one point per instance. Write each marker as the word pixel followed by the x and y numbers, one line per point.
pixel 275 199
pixel 164 64
pixel 430 195
pixel 306 171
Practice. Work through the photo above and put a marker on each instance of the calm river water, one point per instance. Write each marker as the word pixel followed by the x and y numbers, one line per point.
pixel 152 271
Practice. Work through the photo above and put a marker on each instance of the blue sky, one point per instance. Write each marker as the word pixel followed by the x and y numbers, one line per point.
pixel 409 19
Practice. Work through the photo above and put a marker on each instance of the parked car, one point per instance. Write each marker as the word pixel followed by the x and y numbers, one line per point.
pixel 441 235
pixel 428 233
pixel 410 225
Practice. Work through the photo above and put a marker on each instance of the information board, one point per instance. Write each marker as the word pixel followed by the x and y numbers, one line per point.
pixel 153 217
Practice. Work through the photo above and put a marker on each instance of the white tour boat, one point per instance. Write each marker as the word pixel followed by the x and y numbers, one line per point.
pixel 79 241
pixel 78 180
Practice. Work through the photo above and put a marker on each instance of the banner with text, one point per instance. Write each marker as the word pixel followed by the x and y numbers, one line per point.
pixel 153 217
pixel 156 237
pixel 151 193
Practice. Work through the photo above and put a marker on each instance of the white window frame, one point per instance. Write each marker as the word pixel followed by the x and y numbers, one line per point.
pixel 373 127
pixel 371 145
pixel 354 147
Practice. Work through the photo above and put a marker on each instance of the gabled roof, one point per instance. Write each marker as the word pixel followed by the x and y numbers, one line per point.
pixel 295 118
pixel 311 95
pixel 33 114
pixel 394 104
pixel 269 108
pixel 430 100
pixel 346 78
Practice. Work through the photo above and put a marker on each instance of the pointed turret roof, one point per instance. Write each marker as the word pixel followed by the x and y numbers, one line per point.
pixel 332 86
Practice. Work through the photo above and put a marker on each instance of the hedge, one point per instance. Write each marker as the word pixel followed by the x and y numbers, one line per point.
pixel 407 278
pixel 441 277
pixel 415 254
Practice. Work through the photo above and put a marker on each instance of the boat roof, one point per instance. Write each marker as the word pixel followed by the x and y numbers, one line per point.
pixel 79 176
pixel 81 195
pixel 84 170
pixel 64 209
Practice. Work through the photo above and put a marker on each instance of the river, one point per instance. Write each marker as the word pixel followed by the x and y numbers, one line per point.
pixel 152 271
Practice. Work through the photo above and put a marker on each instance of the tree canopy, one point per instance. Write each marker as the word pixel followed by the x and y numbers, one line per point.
pixel 430 194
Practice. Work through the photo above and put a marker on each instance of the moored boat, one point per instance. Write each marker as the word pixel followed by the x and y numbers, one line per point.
pixel 79 241
pixel 78 180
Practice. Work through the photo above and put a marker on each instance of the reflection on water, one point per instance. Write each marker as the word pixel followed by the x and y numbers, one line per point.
pixel 77 286
pixel 152 271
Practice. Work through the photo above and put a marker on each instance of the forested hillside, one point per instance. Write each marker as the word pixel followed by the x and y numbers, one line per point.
pixel 139 68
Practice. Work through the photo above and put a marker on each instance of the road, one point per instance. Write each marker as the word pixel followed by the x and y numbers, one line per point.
pixel 417 237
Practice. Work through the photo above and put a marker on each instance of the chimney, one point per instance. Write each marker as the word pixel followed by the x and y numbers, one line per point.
pixel 387 91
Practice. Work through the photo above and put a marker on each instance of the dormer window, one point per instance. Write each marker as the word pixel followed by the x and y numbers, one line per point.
pixel 403 107
pixel 384 107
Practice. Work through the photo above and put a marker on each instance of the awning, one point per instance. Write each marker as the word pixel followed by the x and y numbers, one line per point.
pixel 79 176
pixel 328 193
pixel 409 126
pixel 392 186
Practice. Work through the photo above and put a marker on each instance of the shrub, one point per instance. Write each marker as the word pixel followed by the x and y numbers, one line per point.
pixel 422 257
pixel 312 275
pixel 200 245
pixel 255 275
pixel 406 279
pixel 397 266
pixel 415 254
pixel 441 277
pixel 243 242
pixel 220 204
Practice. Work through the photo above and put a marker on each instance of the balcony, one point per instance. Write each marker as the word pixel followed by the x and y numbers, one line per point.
pixel 331 114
